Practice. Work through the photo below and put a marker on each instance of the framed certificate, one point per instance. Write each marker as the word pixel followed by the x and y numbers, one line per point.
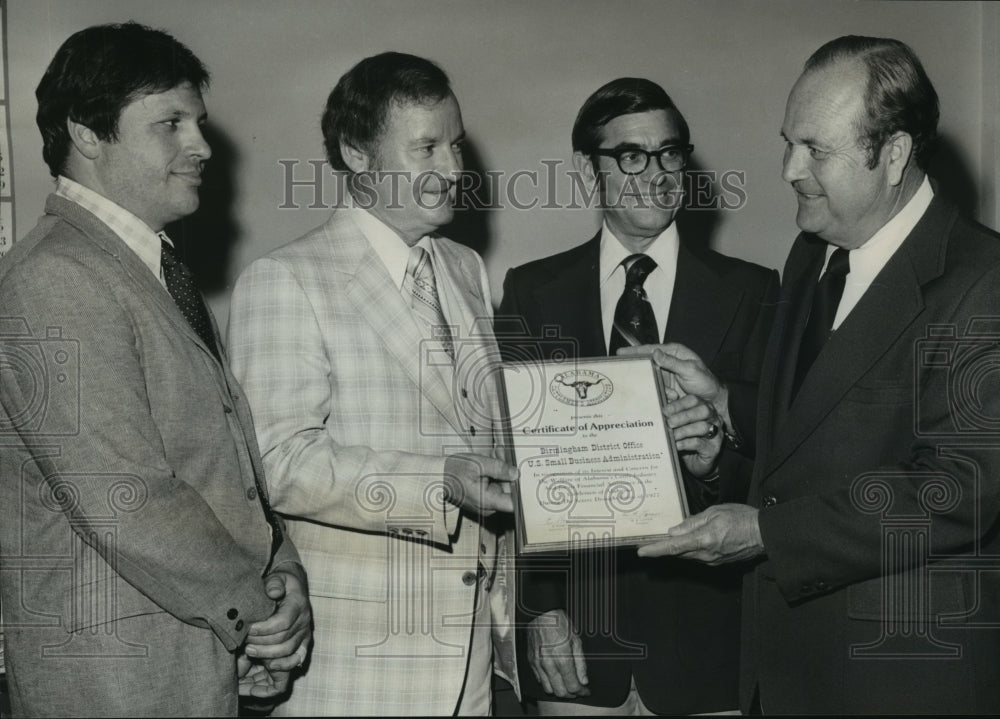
pixel 597 460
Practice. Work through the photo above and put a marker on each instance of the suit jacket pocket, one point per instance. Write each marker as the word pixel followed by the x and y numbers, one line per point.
pixel 360 576
pixel 102 601
pixel 909 598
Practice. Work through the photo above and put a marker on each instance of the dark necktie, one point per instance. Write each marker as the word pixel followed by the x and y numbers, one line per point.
pixel 829 290
pixel 633 313
pixel 180 285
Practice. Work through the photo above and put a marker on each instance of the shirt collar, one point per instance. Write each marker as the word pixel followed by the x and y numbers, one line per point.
pixel 868 260
pixel 663 250
pixel 388 245
pixel 135 233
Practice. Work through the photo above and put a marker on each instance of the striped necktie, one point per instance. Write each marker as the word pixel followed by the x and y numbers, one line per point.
pixel 420 285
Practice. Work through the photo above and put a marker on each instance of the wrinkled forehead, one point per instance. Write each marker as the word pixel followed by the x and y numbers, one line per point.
pixel 826 100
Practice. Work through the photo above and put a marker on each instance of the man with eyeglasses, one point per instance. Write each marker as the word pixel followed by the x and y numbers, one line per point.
pixel 608 632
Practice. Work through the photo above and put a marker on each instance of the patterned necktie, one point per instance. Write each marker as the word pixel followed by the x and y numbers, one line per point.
pixel 180 285
pixel 633 312
pixel 829 290
pixel 421 286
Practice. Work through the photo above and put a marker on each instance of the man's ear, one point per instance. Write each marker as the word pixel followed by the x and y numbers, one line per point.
pixel 584 167
pixel 355 159
pixel 898 152
pixel 84 139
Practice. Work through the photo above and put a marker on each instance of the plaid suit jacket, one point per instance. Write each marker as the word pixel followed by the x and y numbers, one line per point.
pixel 356 412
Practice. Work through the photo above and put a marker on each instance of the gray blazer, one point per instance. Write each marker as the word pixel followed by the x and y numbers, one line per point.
pixel 132 538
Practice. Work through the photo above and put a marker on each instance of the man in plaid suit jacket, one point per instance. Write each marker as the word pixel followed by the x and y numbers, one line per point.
pixel 378 445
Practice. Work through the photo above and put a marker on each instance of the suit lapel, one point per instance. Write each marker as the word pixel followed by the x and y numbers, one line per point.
pixel 379 302
pixel 886 310
pixel 801 272
pixel 574 295
pixel 148 285
pixel 701 308
pixel 476 348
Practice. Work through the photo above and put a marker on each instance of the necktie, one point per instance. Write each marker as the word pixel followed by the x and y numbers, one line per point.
pixel 633 311
pixel 421 286
pixel 829 290
pixel 180 285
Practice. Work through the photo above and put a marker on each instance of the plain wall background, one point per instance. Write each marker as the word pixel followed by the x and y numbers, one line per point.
pixel 520 70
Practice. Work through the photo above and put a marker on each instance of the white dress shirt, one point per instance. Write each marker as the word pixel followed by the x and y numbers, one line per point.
pixel 388 245
pixel 659 284
pixel 135 233
pixel 869 259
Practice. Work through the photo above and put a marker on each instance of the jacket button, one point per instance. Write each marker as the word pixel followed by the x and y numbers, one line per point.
pixel 465 393
pixel 239 625
pixel 252 494
pixel 472 431
pixel 770 500
pixel 232 613
pixel 469 578
pixel 821 586
pixel 227 409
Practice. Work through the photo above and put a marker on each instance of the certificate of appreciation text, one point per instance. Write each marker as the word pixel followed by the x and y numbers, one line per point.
pixel 596 458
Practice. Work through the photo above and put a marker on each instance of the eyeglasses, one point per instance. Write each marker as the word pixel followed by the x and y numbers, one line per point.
pixel 634 161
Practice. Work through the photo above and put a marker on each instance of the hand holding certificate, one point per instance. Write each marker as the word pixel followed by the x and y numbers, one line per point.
pixel 597 460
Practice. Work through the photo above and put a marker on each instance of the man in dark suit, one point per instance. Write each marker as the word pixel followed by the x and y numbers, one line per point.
pixel 141 567
pixel 876 489
pixel 641 635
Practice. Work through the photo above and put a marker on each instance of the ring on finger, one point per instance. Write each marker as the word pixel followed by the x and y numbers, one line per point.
pixel 713 429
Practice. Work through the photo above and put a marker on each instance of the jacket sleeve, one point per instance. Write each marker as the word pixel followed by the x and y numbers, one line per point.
pixel 168 542
pixel 278 355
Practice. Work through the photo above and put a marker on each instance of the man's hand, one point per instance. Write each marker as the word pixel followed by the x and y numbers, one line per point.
pixel 689 372
pixel 697 433
pixel 555 655
pixel 719 535
pixel 256 680
pixel 282 640
pixel 478 483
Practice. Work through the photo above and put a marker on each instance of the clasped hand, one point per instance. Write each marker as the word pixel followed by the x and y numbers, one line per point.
pixel 279 643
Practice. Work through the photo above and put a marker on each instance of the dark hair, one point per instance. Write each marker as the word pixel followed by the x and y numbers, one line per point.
pixel 100 70
pixel 358 107
pixel 898 97
pixel 624 96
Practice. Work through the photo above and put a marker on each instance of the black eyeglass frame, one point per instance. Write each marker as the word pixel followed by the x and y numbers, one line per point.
pixel 686 151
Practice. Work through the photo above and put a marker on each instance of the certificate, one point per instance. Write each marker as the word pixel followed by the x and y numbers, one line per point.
pixel 597 461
